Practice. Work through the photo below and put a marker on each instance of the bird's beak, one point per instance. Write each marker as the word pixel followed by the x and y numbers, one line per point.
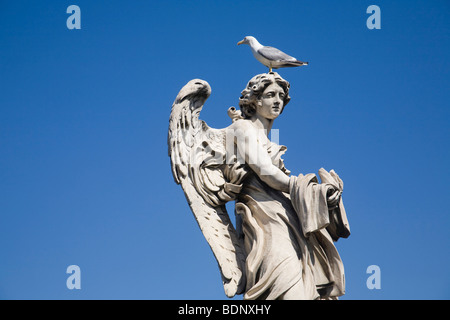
pixel 240 42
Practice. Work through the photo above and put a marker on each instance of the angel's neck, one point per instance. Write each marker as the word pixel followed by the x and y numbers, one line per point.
pixel 262 123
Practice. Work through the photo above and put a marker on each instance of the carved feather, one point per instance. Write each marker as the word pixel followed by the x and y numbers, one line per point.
pixel 197 155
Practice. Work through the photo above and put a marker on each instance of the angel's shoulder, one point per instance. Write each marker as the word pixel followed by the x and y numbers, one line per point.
pixel 242 125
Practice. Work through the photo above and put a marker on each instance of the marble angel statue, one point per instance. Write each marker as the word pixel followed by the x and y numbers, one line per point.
pixel 282 243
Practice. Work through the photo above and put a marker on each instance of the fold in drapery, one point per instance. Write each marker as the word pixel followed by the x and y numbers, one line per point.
pixel 289 238
pixel 309 198
pixel 320 224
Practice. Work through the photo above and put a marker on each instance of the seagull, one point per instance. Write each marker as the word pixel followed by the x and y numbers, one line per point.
pixel 269 56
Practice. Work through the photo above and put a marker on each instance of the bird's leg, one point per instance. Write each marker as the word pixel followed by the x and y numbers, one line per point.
pixel 270 68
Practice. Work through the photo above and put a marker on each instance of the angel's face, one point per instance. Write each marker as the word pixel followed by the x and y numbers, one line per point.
pixel 272 101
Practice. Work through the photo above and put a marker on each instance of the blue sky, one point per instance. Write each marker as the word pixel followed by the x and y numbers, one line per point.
pixel 84 173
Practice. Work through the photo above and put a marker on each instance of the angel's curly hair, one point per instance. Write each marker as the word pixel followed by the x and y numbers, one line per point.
pixel 255 88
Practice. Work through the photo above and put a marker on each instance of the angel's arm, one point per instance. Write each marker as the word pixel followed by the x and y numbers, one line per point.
pixel 259 160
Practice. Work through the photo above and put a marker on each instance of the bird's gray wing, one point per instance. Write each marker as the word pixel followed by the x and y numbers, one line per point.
pixel 273 54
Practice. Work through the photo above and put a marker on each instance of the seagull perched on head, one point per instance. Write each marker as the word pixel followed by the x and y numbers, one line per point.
pixel 269 56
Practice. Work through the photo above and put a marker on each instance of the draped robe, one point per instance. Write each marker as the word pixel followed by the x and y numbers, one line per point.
pixel 289 238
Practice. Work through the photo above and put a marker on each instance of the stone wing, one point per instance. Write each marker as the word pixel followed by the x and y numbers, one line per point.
pixel 197 155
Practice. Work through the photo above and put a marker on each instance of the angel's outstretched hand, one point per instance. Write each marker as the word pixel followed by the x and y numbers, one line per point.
pixel 333 197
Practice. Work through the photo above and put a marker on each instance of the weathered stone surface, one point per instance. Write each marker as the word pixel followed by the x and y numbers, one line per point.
pixel 282 246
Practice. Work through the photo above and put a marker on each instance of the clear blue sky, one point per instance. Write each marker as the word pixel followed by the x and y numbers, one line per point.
pixel 84 172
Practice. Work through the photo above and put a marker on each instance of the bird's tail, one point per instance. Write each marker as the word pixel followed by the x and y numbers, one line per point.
pixel 294 64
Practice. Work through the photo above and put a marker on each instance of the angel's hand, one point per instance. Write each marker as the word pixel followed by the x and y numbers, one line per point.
pixel 333 197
